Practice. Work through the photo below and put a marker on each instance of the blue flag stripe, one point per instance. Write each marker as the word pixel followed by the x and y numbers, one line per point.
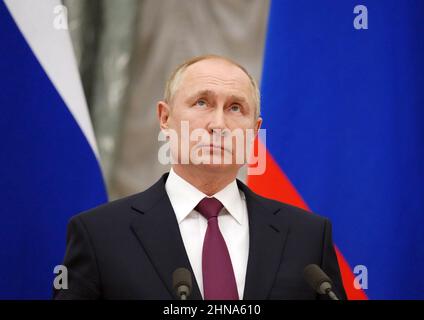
pixel 48 170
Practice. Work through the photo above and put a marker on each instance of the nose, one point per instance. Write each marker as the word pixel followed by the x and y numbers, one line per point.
pixel 217 121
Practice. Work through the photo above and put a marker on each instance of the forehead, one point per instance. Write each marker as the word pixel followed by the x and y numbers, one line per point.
pixel 215 74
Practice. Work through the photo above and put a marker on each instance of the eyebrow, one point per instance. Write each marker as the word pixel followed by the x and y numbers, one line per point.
pixel 201 93
pixel 210 93
pixel 239 98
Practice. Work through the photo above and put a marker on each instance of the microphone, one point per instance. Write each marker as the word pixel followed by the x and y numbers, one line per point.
pixel 319 281
pixel 181 282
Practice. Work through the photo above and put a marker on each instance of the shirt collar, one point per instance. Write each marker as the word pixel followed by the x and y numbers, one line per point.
pixel 184 197
pixel 232 199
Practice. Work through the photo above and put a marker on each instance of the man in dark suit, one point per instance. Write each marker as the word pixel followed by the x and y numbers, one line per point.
pixel 235 243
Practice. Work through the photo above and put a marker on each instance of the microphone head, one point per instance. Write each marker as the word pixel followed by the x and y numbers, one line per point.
pixel 181 281
pixel 317 279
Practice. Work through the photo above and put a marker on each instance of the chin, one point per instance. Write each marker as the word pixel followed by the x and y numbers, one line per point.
pixel 219 168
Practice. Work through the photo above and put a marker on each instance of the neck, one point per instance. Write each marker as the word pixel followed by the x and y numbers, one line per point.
pixel 209 182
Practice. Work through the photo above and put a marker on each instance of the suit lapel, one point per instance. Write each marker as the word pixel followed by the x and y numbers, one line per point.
pixel 156 227
pixel 267 238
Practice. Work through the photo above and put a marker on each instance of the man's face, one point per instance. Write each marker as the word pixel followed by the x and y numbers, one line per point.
pixel 215 98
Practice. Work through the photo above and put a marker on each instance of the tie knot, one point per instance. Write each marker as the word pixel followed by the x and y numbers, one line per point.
pixel 209 207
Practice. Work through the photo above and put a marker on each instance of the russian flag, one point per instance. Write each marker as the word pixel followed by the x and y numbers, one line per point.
pixel 49 166
pixel 344 113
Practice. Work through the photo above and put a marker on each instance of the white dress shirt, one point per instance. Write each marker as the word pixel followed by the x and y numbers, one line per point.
pixel 232 220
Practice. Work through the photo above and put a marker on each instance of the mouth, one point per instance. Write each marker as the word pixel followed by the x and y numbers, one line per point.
pixel 213 146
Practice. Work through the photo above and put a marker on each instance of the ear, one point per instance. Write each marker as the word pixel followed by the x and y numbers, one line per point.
pixel 163 112
pixel 258 125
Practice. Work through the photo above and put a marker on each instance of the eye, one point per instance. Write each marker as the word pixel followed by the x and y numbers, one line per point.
pixel 201 103
pixel 235 108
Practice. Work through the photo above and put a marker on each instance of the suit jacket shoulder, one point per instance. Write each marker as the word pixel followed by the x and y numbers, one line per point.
pixel 129 248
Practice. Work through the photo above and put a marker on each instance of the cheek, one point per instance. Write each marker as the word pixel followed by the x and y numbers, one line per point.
pixel 177 120
pixel 194 120
pixel 188 114
pixel 173 125
pixel 184 127
pixel 241 123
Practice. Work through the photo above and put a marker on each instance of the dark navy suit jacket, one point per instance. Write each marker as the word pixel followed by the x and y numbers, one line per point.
pixel 129 248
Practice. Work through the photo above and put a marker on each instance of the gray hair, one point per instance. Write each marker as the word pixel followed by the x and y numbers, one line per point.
pixel 175 78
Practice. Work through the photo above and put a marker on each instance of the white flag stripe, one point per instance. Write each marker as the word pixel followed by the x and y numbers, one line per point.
pixel 54 51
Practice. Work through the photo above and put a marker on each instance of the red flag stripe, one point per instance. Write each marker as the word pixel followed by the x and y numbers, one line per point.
pixel 275 184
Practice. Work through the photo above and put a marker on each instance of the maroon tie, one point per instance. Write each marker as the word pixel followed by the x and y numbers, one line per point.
pixel 219 282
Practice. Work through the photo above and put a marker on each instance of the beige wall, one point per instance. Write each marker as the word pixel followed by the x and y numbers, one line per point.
pixel 136 55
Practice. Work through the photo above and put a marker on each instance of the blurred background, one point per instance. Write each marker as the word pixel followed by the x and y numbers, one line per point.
pixel 125 51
